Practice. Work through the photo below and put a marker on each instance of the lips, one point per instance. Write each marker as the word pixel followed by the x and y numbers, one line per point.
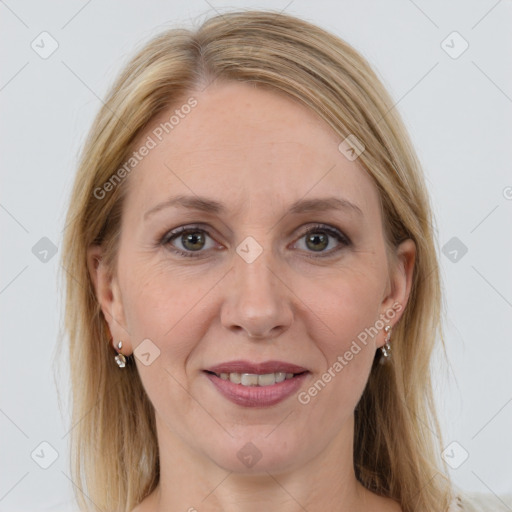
pixel 262 368
pixel 256 384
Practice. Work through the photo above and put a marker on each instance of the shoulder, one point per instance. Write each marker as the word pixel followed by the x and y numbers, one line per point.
pixel 468 501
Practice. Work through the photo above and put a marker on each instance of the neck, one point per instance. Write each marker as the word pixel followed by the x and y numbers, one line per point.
pixel 191 481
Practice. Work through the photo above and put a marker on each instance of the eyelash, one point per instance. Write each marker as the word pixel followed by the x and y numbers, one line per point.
pixel 169 236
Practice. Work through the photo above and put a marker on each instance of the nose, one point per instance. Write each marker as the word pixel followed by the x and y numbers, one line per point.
pixel 258 301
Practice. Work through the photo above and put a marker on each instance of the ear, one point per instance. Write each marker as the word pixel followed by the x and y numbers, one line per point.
pixel 109 297
pixel 400 283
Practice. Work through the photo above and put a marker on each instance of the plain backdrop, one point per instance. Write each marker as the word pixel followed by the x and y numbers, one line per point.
pixel 456 103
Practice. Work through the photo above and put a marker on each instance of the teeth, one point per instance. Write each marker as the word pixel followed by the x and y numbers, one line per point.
pixel 266 380
pixel 235 378
pixel 253 379
pixel 249 379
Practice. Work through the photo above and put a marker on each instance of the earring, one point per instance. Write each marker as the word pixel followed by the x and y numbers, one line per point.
pixel 120 358
pixel 386 348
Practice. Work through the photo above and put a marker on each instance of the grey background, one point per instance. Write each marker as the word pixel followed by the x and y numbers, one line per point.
pixel 458 111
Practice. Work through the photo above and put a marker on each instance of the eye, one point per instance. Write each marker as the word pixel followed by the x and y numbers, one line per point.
pixel 317 239
pixel 192 240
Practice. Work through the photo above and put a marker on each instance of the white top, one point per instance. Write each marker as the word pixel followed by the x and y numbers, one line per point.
pixel 467 501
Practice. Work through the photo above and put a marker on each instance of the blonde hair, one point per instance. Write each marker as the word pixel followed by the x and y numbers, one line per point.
pixel 113 440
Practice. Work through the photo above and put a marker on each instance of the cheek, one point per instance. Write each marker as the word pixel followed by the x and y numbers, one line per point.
pixel 345 307
pixel 167 307
pixel 348 354
pixel 344 330
pixel 163 308
pixel 151 298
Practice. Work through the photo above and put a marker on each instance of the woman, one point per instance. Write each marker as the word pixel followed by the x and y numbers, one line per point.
pixel 253 293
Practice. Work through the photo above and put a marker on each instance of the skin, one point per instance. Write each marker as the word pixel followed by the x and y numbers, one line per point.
pixel 256 152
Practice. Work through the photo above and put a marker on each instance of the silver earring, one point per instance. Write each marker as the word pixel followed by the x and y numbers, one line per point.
pixel 120 358
pixel 386 348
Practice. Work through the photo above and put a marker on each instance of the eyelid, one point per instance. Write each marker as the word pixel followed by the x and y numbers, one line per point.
pixel 172 233
pixel 331 230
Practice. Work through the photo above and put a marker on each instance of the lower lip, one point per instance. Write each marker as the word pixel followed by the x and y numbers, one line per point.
pixel 257 396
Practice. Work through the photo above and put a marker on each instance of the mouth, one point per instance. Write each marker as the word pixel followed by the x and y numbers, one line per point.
pixel 256 384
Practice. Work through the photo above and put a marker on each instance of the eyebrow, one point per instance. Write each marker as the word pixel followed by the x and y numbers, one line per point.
pixel 208 205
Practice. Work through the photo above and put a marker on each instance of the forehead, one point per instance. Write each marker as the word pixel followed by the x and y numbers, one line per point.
pixel 243 144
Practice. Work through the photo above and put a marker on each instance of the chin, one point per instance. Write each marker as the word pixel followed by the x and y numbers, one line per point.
pixel 258 450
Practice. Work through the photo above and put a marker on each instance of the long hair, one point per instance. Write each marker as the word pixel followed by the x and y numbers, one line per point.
pixel 397 439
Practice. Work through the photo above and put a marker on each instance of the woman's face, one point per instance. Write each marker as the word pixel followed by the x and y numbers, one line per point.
pixel 246 283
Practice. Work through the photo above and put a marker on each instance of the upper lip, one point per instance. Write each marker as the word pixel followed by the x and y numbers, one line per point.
pixel 262 368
